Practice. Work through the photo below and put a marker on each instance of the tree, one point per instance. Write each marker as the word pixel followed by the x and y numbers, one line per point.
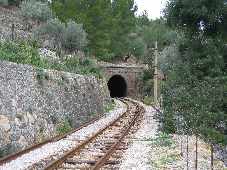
pixel 108 23
pixel 124 22
pixel 208 16
pixel 200 99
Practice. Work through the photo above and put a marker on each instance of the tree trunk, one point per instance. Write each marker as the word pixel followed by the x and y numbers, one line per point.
pixel 196 153
pixel 212 157
pixel 187 153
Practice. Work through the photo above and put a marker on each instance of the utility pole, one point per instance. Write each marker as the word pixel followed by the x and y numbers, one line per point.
pixel 156 74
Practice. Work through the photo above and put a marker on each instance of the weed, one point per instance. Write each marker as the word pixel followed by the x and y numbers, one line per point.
pixel 148 100
pixel 163 140
pixel 27 53
pixel 64 126
pixel 110 106
pixel 165 159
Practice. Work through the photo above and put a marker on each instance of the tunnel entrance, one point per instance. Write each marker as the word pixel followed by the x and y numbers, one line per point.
pixel 117 86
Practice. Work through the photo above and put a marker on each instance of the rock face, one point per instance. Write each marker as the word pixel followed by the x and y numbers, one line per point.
pixel 33 102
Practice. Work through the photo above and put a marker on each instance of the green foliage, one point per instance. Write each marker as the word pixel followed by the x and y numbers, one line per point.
pixel 147 83
pixel 63 127
pixel 107 23
pixel 14 2
pixel 36 10
pixel 137 46
pixel 110 106
pixel 22 53
pixel 191 15
pixel 69 37
pixel 4 2
pixel 165 160
pixel 162 140
pixel 74 37
pixel 148 100
pixel 81 66
pixel 26 53
pixel 10 2
pixel 193 92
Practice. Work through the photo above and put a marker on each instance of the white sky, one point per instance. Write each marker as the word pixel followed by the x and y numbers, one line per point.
pixel 153 7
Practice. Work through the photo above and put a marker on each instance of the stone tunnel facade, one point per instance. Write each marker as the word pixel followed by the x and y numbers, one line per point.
pixel 129 73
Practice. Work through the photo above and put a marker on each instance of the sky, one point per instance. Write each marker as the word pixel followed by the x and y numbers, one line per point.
pixel 153 7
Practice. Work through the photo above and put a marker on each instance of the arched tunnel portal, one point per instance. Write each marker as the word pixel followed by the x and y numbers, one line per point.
pixel 117 86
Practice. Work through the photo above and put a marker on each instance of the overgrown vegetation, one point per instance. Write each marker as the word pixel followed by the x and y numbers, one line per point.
pixel 109 24
pixel 162 140
pixel 36 10
pixel 148 100
pixel 63 127
pixel 26 53
pixel 10 2
pixel 110 106
pixel 194 90
pixel 21 53
pixel 69 37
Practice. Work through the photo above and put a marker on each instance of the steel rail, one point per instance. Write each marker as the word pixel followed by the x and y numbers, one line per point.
pixel 35 146
pixel 56 163
pixel 114 147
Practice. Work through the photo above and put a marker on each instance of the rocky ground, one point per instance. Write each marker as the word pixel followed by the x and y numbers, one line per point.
pixel 151 149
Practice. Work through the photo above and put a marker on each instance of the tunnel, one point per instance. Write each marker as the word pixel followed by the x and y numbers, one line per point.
pixel 117 86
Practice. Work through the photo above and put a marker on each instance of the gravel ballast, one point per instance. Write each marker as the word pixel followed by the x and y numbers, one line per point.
pixel 137 156
pixel 56 149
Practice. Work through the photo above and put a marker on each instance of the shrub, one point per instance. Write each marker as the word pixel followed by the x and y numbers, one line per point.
pixel 148 100
pixel 36 10
pixel 82 66
pixel 27 53
pixel 10 2
pixel 74 37
pixel 4 2
pixel 70 37
pixel 163 140
pixel 110 106
pixel 21 52
pixel 14 2
pixel 63 127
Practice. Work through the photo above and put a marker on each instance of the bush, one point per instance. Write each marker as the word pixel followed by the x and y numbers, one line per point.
pixel 36 10
pixel 21 52
pixel 147 83
pixel 70 37
pixel 14 2
pixel 64 127
pixel 110 106
pixel 74 37
pixel 163 140
pixel 82 66
pixel 27 53
pixel 4 2
pixel 10 2
pixel 148 100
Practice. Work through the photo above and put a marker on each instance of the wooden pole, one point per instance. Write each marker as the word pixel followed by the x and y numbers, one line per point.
pixel 212 156
pixel 196 153
pixel 156 74
pixel 187 148
pixel 12 32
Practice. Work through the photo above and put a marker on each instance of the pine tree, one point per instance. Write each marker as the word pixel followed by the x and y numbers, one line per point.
pixel 201 98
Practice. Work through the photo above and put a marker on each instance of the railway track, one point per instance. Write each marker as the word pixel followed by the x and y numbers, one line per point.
pixel 100 148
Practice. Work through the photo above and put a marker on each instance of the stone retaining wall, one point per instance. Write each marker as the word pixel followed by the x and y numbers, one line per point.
pixel 33 102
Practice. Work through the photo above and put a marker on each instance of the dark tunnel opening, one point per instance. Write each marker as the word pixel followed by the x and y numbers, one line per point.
pixel 117 86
